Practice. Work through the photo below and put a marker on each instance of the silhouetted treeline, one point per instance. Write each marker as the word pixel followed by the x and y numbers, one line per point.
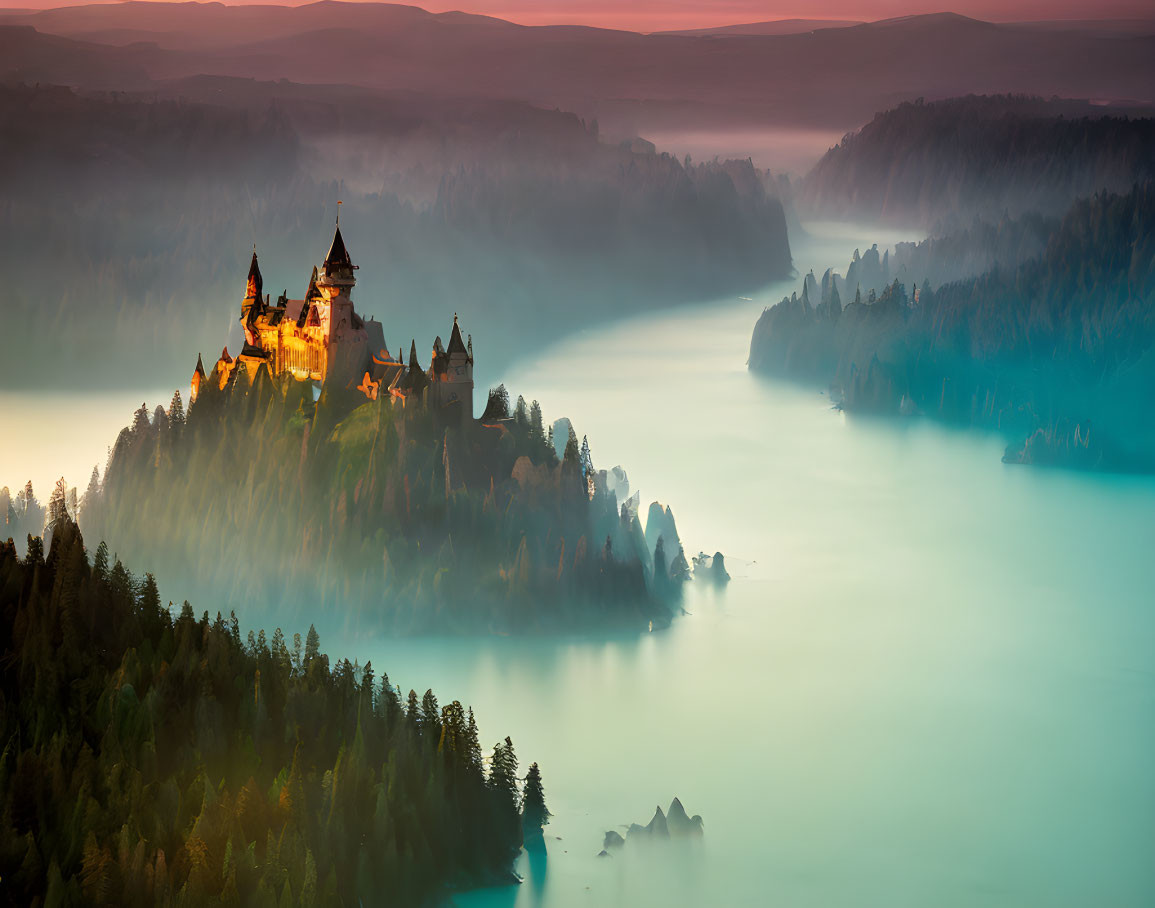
pixel 376 514
pixel 1057 352
pixel 127 220
pixel 942 163
pixel 936 260
pixel 162 759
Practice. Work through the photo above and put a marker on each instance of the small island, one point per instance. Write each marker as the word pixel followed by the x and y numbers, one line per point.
pixel 674 823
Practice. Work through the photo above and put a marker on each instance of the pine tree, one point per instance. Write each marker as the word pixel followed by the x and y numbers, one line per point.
pixel 312 645
pixel 521 413
pixel 176 417
pixel 536 429
pixel 140 423
pixel 534 813
pixel 58 502
pixel 430 718
pixel 413 713
pixel 497 406
pixel 572 456
pixel 503 773
pixel 389 703
pixel 100 562
pixel 474 761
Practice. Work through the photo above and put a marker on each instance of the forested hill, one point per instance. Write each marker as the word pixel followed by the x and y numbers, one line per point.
pixel 128 220
pixel 160 759
pixel 378 516
pixel 942 163
pixel 1057 352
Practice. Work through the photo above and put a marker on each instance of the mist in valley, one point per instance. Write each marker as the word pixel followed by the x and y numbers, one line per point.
pixel 840 303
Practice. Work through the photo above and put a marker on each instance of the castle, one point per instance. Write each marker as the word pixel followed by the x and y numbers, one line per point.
pixel 321 338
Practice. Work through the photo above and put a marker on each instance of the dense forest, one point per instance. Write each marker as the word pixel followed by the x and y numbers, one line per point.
pixel 129 218
pixel 940 164
pixel 159 758
pixel 380 515
pixel 1057 351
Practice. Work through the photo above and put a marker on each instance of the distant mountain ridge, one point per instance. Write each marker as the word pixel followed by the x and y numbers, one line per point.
pixel 630 82
pixel 770 27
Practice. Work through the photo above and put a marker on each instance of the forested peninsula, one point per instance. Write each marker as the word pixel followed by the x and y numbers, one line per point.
pixel 1055 350
pixel 159 758
pixel 381 515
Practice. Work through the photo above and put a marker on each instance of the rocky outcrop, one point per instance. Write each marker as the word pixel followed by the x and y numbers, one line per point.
pixel 711 568
pixel 675 824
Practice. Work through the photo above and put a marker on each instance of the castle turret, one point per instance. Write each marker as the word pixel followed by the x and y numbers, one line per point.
pixel 198 378
pixel 338 267
pixel 254 286
pixel 452 373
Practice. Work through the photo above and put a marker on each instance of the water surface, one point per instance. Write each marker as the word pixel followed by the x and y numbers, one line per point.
pixel 931 682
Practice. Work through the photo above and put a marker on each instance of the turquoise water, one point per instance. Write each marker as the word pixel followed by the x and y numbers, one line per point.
pixel 931 682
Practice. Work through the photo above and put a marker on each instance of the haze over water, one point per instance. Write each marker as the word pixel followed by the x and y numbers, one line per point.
pixel 931 682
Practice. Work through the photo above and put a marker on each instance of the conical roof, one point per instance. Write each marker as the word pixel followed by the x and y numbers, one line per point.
pixel 255 282
pixel 456 344
pixel 337 262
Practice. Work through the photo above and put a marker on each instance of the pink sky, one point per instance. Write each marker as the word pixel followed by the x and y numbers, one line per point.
pixel 657 15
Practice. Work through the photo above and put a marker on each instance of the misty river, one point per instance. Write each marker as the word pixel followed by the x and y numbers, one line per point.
pixel 931 681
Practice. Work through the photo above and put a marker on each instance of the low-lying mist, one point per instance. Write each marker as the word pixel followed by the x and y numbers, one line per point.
pixel 128 223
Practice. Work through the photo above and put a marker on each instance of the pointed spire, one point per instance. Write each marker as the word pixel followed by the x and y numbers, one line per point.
pixel 255 283
pixel 312 293
pixel 337 262
pixel 456 344
pixel 200 369
pixel 413 364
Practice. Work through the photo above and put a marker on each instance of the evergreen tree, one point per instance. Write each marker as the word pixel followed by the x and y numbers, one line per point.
pixel 534 814
pixel 140 423
pixel 176 415
pixel 413 713
pixel 312 645
pixel 497 405
pixel 430 718
pixel 572 456
pixel 536 429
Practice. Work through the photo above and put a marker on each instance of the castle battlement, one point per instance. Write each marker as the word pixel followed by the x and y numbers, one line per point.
pixel 322 338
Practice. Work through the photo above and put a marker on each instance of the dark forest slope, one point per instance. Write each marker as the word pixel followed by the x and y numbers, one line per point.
pixel 1057 352
pixel 378 517
pixel 156 758
pixel 948 161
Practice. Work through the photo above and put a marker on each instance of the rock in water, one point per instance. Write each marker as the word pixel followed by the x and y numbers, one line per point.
pixel 676 825
pixel 679 823
pixel 718 569
pixel 655 829
pixel 612 840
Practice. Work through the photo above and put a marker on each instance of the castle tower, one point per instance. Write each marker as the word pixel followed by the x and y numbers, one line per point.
pixel 346 352
pixel 198 378
pixel 451 373
pixel 254 286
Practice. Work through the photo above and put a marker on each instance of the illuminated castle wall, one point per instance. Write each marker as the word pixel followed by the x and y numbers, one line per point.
pixel 322 338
